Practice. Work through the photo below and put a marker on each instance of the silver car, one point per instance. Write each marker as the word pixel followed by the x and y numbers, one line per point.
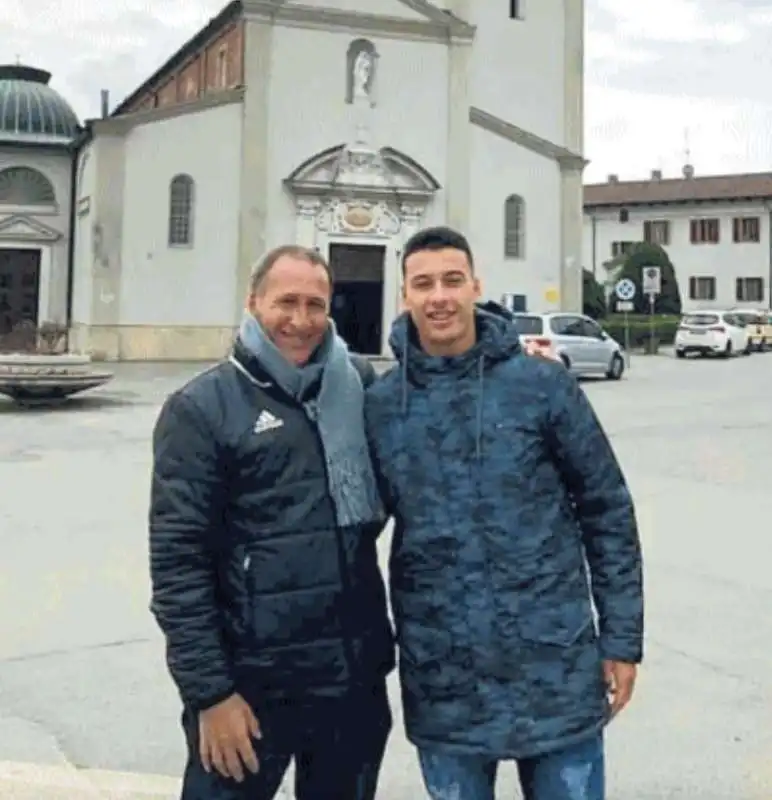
pixel 580 343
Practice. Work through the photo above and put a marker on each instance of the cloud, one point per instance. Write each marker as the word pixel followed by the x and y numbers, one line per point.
pixel 654 70
pixel 660 69
pixel 96 44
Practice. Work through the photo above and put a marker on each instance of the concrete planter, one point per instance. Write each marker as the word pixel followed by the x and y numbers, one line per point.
pixel 36 377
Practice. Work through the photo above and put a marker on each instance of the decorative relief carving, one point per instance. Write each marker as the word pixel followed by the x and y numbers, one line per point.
pixel 308 207
pixel 412 212
pixel 358 217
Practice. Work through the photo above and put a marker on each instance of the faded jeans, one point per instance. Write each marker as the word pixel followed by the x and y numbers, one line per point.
pixel 576 773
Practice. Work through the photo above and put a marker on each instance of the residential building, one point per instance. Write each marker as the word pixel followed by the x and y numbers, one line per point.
pixel 344 125
pixel 715 229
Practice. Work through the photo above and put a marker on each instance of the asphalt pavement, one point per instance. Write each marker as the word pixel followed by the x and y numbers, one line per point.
pixel 87 709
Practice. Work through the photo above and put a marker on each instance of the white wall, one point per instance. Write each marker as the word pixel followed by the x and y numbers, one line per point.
pixel 86 203
pixel 168 286
pixel 725 261
pixel 518 65
pixel 308 112
pixel 499 169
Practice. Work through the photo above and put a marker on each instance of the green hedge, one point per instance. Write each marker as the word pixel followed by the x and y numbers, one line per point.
pixel 665 328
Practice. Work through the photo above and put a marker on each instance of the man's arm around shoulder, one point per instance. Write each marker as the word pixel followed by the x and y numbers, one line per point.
pixel 606 516
pixel 185 507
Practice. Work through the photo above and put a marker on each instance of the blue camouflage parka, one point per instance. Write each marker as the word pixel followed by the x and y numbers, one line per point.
pixel 511 517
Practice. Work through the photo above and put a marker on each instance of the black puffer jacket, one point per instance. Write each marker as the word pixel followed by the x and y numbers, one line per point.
pixel 253 584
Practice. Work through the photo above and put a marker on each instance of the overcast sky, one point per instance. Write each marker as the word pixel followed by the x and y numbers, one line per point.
pixel 660 73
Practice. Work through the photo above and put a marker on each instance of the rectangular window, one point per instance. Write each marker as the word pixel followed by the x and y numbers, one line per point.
pixel 702 288
pixel 749 290
pixel 621 248
pixel 705 231
pixel 746 229
pixel 222 68
pixel 516 9
pixel 656 231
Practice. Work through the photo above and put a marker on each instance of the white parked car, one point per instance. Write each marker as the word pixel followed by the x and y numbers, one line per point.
pixel 580 343
pixel 712 333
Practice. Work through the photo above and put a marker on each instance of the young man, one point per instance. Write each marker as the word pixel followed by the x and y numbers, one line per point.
pixel 511 514
pixel 263 523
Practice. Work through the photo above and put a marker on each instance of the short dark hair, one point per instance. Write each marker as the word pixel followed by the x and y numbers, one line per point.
pixel 437 238
pixel 266 263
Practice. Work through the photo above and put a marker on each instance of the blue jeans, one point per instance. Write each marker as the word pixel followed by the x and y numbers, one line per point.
pixel 576 773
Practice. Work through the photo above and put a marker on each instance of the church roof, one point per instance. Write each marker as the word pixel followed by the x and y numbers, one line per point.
pixel 31 112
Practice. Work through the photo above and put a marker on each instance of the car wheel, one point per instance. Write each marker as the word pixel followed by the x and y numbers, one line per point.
pixel 566 361
pixel 680 354
pixel 616 368
pixel 727 350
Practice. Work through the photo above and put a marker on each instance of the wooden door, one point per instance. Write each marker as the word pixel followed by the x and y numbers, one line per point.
pixel 19 288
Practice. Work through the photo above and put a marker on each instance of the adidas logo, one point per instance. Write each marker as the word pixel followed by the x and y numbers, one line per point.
pixel 267 422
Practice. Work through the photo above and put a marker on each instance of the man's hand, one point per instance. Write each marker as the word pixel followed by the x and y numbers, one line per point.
pixel 226 732
pixel 534 349
pixel 620 678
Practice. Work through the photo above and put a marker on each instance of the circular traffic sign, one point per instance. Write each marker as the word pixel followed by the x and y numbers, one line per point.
pixel 625 290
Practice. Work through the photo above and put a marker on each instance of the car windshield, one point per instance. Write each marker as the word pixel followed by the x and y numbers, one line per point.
pixel 699 319
pixel 748 318
pixel 529 326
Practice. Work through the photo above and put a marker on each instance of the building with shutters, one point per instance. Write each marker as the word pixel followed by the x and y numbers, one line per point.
pixel 716 229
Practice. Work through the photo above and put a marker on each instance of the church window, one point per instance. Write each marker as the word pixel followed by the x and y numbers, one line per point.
pixel 514 227
pixel 222 68
pixel 181 208
pixel 24 186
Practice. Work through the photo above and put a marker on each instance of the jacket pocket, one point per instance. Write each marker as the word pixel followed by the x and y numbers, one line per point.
pixel 559 625
pixel 431 666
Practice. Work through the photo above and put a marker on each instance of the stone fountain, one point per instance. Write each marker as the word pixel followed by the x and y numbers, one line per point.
pixel 36 369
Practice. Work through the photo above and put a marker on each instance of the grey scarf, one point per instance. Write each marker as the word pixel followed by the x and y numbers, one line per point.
pixel 335 410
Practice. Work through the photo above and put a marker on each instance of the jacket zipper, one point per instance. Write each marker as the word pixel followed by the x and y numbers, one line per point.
pixel 344 576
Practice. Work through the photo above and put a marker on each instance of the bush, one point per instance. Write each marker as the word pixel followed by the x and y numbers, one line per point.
pixel 593 296
pixel 665 327
pixel 651 255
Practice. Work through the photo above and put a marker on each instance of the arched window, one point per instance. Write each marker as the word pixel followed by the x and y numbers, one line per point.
pixel 514 227
pixel 181 208
pixel 24 186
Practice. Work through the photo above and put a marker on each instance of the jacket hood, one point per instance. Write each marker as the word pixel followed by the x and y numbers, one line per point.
pixel 497 340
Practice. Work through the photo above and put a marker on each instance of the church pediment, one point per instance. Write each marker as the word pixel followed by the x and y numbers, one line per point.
pixel 382 172
pixel 22 228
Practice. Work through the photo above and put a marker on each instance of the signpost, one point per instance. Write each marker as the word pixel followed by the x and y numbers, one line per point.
pixel 652 286
pixel 625 292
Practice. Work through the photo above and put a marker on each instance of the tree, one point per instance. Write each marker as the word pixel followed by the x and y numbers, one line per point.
pixel 593 296
pixel 651 255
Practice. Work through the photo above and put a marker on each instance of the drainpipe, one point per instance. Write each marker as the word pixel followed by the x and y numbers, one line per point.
pixel 76 147
pixel 594 241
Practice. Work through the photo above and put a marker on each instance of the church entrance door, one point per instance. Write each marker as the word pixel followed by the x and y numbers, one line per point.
pixel 19 287
pixel 357 301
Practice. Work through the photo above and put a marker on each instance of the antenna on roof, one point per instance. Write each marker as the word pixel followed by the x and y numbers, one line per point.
pixel 688 168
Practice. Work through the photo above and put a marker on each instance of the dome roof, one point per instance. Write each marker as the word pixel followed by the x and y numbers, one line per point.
pixel 31 111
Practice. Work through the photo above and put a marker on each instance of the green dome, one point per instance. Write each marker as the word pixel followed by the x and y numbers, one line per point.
pixel 31 111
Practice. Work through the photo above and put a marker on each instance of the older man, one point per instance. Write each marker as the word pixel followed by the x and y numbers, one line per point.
pixel 263 523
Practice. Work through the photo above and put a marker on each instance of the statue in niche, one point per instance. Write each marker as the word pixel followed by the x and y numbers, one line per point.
pixel 361 64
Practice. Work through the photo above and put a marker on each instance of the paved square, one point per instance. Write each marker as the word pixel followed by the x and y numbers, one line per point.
pixel 87 710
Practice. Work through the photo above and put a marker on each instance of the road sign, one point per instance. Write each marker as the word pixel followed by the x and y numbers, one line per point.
pixel 625 307
pixel 652 280
pixel 625 290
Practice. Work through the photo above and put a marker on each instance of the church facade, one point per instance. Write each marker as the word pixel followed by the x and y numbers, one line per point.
pixel 340 125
